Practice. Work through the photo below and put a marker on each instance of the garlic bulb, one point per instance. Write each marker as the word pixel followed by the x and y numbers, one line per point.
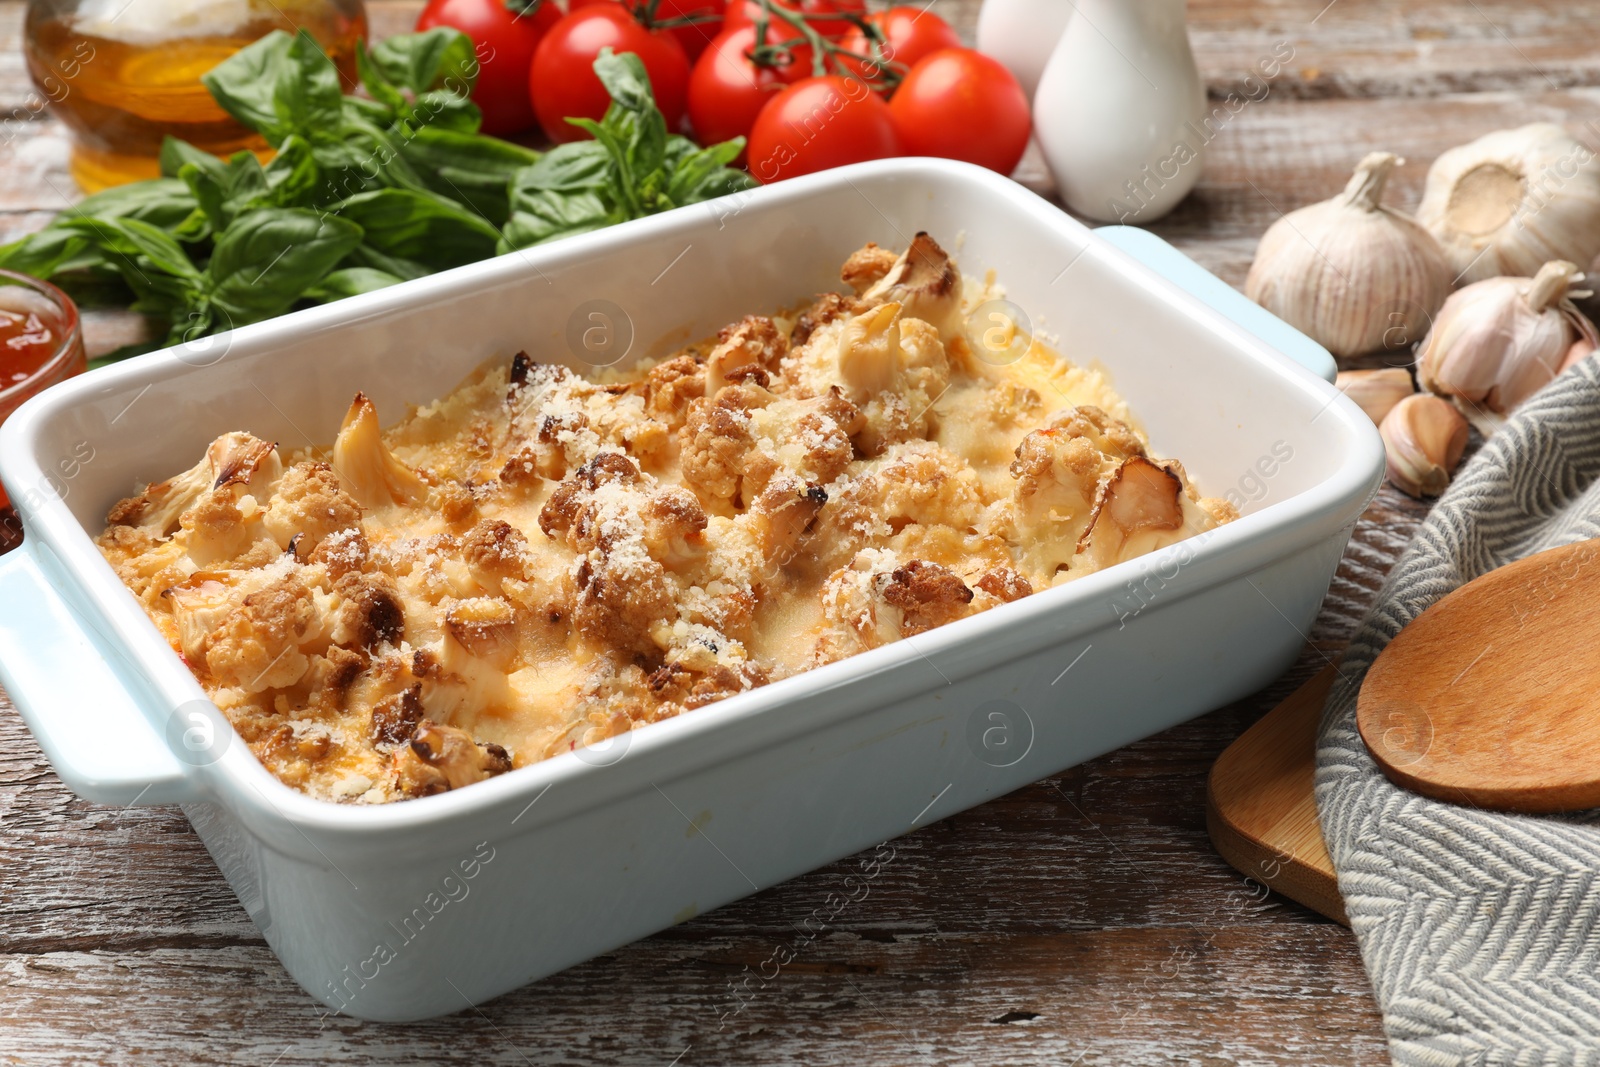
pixel 1352 274
pixel 1513 200
pixel 1496 342
pixel 1423 438
pixel 1376 392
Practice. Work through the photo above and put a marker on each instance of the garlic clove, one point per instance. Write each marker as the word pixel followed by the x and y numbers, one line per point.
pixel 1423 437
pixel 1580 350
pixel 1376 391
pixel 1350 273
pixel 1497 342
pixel 1513 200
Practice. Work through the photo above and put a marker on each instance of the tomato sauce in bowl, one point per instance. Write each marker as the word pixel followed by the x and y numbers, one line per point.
pixel 41 343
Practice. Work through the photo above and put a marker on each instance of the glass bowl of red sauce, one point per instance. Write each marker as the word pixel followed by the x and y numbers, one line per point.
pixel 41 343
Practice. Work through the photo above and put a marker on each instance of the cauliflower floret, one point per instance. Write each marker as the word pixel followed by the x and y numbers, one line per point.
pixel 674 527
pixel 717 445
pixel 866 266
pixel 896 369
pixel 342 553
pixel 571 509
pixel 258 646
pixel 368 612
pixel 213 529
pixel 1142 507
pixel 440 758
pixel 366 468
pixel 829 307
pixel 811 437
pixel 925 283
pixel 915 482
pixel 733 446
pixel 1058 479
pixel 876 600
pixel 307 506
pixel 1111 436
pixel 235 464
pixel 785 511
pixel 496 552
pixel 671 386
pixel 1004 584
pixel 486 627
pixel 754 341
pixel 615 590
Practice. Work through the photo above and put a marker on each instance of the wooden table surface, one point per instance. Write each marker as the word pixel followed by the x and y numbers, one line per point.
pixel 1084 919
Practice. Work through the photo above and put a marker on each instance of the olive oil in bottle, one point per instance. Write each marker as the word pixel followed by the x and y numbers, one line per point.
pixel 123 74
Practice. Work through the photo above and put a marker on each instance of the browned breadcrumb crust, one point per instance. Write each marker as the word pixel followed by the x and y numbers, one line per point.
pixel 541 560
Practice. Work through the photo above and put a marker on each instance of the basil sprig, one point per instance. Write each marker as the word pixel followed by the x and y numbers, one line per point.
pixel 362 192
pixel 632 168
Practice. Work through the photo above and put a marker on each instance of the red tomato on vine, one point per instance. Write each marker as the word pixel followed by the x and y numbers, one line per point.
pixel 506 34
pixel 817 124
pixel 563 82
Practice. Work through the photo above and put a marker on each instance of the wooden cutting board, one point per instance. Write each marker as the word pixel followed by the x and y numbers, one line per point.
pixel 1260 810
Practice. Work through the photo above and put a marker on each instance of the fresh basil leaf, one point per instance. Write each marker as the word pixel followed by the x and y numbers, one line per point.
pixel 679 148
pixel 361 110
pixel 381 88
pixel 706 174
pixel 446 110
pixel 436 58
pixel 175 153
pixel 545 216
pixel 350 281
pixel 472 169
pixel 292 177
pixel 162 202
pixel 245 84
pixel 197 318
pixel 423 227
pixel 625 185
pixel 625 79
pixel 210 192
pixel 567 168
pixel 365 157
pixel 152 264
pixel 364 255
pixel 159 295
pixel 53 249
pixel 135 239
pixel 268 257
pixel 307 96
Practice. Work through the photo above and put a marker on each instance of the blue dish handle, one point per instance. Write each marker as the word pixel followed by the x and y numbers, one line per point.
pixel 1211 290
pixel 72 697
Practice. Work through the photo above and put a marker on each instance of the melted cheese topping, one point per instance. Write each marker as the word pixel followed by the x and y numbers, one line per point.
pixel 543 560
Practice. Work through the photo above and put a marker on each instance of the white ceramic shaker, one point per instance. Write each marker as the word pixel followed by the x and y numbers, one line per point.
pixel 1021 34
pixel 1120 111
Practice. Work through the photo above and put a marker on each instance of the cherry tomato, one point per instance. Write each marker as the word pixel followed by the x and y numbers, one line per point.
pixel 909 33
pixel 563 82
pixel 695 37
pixel 820 123
pixel 960 104
pixel 506 40
pixel 744 13
pixel 727 90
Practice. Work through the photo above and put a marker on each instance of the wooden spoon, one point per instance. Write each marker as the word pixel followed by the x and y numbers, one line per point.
pixel 1491 697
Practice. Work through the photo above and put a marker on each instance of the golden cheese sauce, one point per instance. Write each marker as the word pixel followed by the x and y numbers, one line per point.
pixel 542 560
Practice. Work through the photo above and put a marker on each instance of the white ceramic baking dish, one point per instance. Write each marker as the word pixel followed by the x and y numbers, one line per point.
pixel 418 908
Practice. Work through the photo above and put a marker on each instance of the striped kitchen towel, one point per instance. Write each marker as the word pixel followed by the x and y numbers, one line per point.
pixel 1480 931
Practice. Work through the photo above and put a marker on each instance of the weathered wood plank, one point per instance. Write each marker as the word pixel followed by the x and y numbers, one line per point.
pixel 1114 997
